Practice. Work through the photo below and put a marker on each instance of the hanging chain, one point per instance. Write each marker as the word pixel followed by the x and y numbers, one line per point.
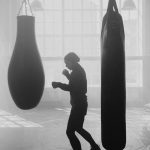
pixel 20 7
pixel 25 3
pixel 30 7
pixel 25 7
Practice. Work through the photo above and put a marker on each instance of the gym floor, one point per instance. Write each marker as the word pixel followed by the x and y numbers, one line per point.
pixel 43 128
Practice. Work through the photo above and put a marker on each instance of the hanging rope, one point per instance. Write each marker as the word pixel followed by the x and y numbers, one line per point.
pixel 25 3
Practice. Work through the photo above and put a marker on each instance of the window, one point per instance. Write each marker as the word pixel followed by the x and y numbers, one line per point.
pixel 75 25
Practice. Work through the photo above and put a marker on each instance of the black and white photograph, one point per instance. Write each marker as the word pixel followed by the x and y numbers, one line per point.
pixel 74 74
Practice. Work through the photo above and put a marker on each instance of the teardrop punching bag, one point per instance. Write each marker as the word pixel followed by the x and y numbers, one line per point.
pixel 113 84
pixel 25 73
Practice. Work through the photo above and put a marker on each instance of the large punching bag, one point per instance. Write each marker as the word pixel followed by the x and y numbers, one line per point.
pixel 25 73
pixel 113 84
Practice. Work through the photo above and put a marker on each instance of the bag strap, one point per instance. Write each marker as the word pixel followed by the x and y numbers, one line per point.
pixel 112 6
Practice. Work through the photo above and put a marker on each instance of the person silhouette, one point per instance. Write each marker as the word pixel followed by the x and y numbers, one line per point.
pixel 78 88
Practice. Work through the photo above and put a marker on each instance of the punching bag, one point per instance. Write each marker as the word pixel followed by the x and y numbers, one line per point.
pixel 25 73
pixel 113 84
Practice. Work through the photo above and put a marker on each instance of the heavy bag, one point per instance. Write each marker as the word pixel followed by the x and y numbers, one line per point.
pixel 25 73
pixel 113 84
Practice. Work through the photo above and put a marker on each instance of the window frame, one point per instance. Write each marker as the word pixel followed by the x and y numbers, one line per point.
pixel 93 58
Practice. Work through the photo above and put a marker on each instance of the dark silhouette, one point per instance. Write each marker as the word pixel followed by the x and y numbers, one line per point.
pixel 26 77
pixel 78 88
pixel 113 80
